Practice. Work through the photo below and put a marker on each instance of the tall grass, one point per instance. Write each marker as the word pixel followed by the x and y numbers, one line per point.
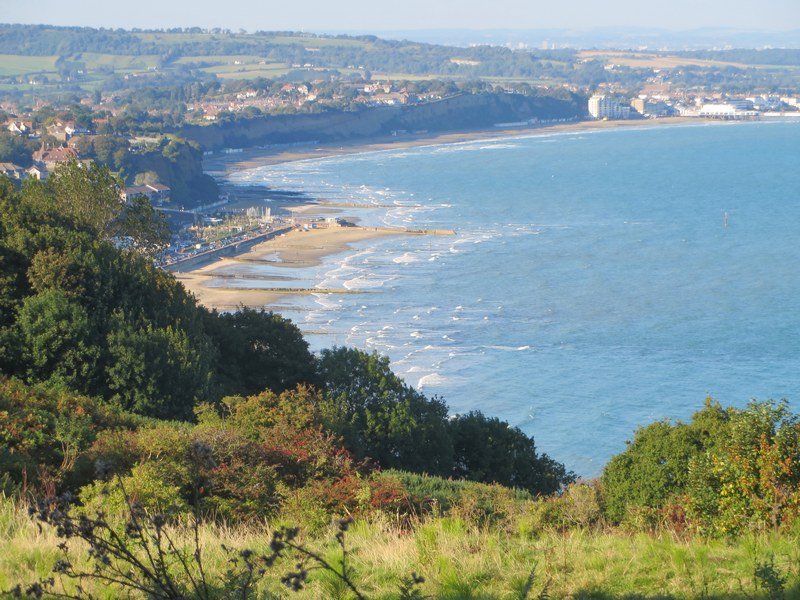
pixel 461 560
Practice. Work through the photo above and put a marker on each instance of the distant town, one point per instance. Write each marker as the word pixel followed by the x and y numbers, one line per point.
pixel 718 106
pixel 153 105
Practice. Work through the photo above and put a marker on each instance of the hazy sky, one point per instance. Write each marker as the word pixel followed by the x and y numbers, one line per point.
pixel 374 15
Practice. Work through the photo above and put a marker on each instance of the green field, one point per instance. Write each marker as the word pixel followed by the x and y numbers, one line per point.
pixel 460 560
pixel 311 42
pixel 11 64
pixel 121 62
pixel 249 71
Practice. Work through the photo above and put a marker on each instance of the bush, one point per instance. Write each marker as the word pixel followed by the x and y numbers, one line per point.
pixel 492 451
pixel 727 471
pixel 44 434
pixel 655 465
pixel 262 450
pixel 477 502
pixel 578 506
pixel 751 479
pixel 146 486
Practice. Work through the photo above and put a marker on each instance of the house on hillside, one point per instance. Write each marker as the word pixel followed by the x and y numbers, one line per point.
pixel 157 193
pixel 36 172
pixel 58 130
pixel 11 170
pixel 50 158
pixel 71 130
pixel 22 127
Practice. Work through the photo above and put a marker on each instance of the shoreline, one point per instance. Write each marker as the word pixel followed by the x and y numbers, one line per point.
pixel 296 249
pixel 304 249
pixel 223 165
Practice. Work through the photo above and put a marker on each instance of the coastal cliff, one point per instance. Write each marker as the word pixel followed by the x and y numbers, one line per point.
pixel 465 111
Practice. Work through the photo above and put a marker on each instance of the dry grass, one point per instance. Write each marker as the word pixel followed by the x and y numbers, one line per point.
pixel 645 60
pixel 462 561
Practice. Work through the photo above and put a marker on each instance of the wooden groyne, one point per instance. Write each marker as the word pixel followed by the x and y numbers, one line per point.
pixel 410 231
pixel 298 291
pixel 431 231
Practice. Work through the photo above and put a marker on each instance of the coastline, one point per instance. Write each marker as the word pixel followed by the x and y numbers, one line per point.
pixel 304 249
pixel 297 249
pixel 222 165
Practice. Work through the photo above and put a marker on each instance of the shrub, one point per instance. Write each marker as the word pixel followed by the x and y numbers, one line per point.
pixel 45 432
pixel 263 450
pixel 751 479
pixel 478 502
pixel 655 465
pixel 578 506
pixel 145 486
pixel 492 451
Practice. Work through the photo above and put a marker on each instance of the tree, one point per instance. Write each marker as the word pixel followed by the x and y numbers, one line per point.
pixel 750 479
pixel 381 417
pixel 87 195
pixel 654 468
pixel 110 150
pixel 145 227
pixel 258 351
pixel 56 341
pixel 16 149
pixel 489 450
pixel 154 371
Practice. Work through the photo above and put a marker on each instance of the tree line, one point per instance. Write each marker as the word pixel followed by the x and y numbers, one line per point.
pixel 85 314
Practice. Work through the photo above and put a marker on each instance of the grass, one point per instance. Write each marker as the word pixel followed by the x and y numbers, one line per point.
pixel 646 60
pixel 461 561
pixel 247 71
pixel 311 42
pixel 12 64
pixel 118 61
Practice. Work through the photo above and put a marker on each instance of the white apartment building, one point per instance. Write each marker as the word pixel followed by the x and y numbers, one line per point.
pixel 606 107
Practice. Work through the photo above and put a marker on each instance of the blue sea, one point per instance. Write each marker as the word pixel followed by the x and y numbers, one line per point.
pixel 597 282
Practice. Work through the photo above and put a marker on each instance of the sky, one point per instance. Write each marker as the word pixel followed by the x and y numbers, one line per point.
pixel 379 15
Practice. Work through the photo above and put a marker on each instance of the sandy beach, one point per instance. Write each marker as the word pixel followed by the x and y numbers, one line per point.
pixel 222 165
pixel 211 284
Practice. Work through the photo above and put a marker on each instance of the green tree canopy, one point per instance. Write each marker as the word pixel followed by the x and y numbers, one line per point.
pixel 258 351
pixel 489 450
pixel 381 417
pixel 654 468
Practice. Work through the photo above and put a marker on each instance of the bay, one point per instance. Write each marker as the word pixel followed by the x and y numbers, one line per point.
pixel 597 282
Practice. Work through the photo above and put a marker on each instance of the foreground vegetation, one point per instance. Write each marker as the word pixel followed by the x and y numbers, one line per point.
pixel 142 429
pixel 461 560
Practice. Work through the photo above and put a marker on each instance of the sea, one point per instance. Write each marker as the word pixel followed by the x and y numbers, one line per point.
pixel 598 281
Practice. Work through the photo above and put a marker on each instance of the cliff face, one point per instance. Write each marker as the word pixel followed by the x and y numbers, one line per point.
pixel 467 111
pixel 180 166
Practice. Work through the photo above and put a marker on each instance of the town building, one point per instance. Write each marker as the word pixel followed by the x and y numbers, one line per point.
pixel 157 193
pixel 36 172
pixel 50 158
pixel 606 107
pixel 11 170
pixel 23 127
pixel 731 109
pixel 652 108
